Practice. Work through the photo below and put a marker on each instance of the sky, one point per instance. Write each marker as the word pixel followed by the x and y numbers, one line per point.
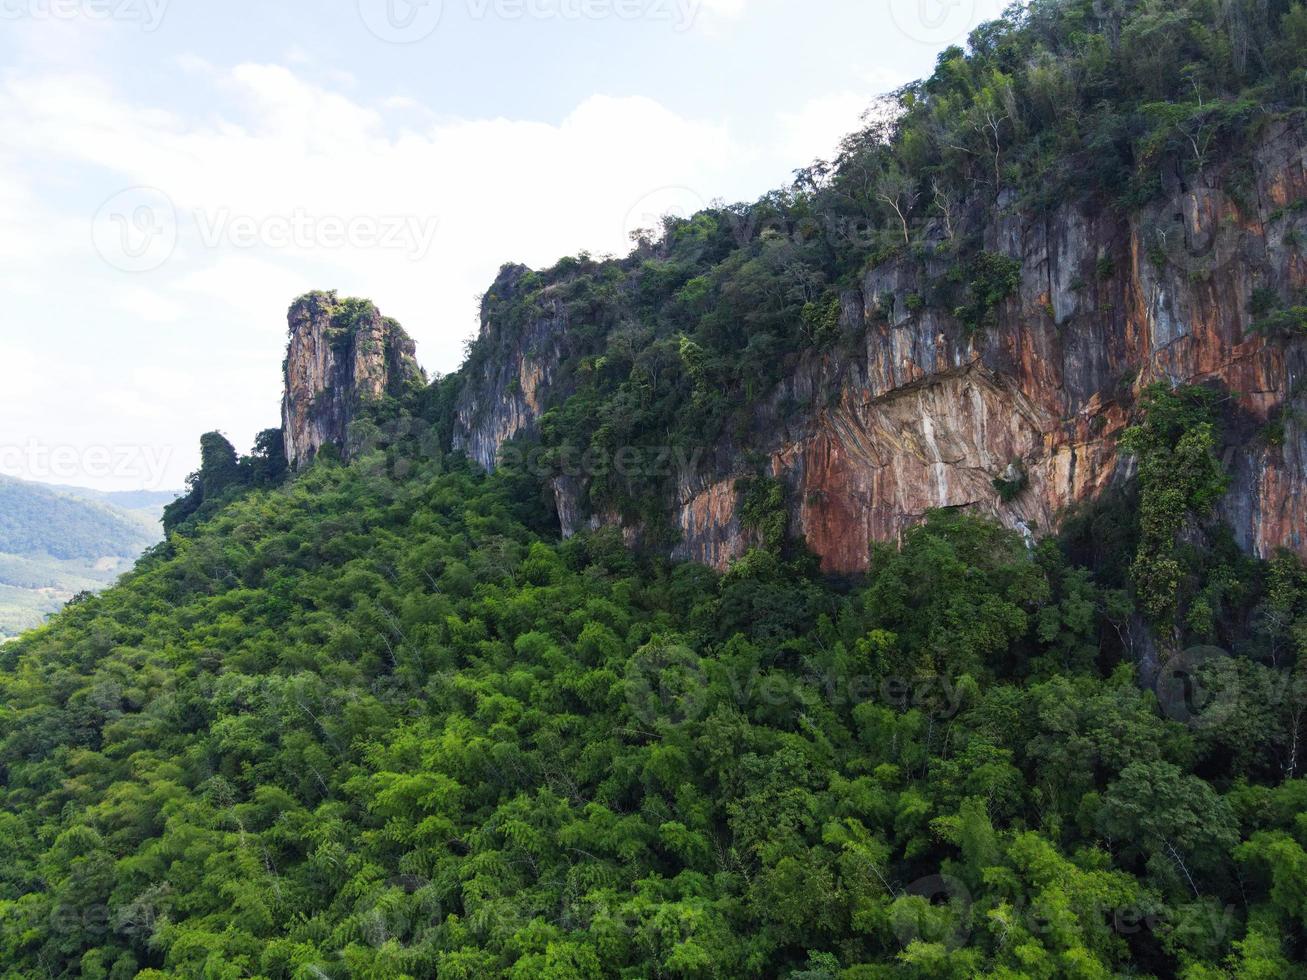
pixel 173 173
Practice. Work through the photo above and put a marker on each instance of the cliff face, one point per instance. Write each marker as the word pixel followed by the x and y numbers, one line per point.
pixel 341 355
pixel 506 396
pixel 928 415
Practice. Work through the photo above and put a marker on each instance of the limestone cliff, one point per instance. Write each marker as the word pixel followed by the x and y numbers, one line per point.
pixel 505 397
pixel 929 414
pixel 342 355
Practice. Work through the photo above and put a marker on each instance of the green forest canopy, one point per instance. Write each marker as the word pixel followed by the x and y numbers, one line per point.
pixel 36 521
pixel 361 726
pixel 378 721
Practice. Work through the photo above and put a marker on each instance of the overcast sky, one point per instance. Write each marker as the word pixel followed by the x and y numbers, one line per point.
pixel 174 172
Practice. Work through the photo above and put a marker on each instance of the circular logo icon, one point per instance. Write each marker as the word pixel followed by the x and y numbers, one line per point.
pixel 645 219
pixel 1197 238
pixel 401 913
pixel 945 918
pixel 393 450
pixel 666 683
pixel 136 229
pixel 934 22
pixel 401 21
pixel 1198 687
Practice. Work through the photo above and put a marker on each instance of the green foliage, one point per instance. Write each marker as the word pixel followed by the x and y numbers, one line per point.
pixel 680 345
pixel 366 726
pixel 1264 300
pixel 1180 480
pixel 376 721
pixel 56 542
pixel 1291 321
pixel 763 510
pixel 40 521
pixel 1012 483
pixel 1275 318
pixel 990 279
pixel 222 476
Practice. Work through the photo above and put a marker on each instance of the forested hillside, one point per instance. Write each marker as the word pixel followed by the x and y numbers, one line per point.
pixel 383 727
pixel 38 520
pixel 56 542
pixel 1064 113
pixel 377 717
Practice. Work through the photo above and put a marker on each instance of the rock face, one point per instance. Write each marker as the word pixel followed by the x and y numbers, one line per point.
pixel 928 416
pixel 505 397
pixel 341 355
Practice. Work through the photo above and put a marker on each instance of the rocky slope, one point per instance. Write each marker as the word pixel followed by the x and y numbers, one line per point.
pixel 929 414
pixel 341 355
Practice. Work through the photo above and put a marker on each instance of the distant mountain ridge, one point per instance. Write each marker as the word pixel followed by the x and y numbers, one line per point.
pixel 149 503
pixel 57 541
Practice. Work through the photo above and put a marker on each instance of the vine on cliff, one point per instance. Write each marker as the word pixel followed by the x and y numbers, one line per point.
pixel 1180 479
pixel 763 510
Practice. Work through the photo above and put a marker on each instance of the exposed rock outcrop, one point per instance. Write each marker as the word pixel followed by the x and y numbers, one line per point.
pixel 505 397
pixel 342 354
pixel 928 414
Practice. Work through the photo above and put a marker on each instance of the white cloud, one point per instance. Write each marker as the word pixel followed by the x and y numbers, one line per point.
pixel 20 373
pixel 147 304
pixel 493 190
pixel 816 129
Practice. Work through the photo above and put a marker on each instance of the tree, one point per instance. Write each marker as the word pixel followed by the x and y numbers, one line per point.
pixel 899 192
pixel 1172 820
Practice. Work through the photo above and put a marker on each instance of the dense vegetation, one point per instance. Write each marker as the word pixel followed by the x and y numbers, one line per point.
pixel 376 724
pixel 378 721
pixel 223 476
pixel 32 587
pixel 1098 101
pixel 35 520
pixel 57 542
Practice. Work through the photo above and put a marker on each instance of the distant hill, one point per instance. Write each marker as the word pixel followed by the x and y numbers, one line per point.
pixel 58 541
pixel 141 502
